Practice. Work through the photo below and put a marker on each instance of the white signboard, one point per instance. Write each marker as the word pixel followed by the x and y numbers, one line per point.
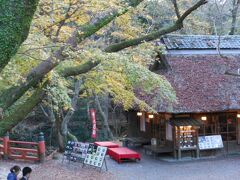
pixel 210 142
pixel 95 155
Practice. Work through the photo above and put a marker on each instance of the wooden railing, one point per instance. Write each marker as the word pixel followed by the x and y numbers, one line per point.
pixel 1 146
pixel 31 151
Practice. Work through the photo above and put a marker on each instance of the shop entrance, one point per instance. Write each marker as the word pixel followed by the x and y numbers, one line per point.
pixel 228 127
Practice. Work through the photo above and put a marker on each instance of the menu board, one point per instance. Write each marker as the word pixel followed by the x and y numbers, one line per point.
pixel 95 155
pixel 76 151
pixel 210 142
pixel 68 149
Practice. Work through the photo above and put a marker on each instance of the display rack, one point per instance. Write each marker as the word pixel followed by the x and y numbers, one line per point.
pixel 186 139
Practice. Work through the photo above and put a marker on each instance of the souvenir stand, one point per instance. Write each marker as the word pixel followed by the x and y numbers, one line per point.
pixel 185 133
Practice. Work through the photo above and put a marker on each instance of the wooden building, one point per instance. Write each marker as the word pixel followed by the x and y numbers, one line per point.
pixel 205 73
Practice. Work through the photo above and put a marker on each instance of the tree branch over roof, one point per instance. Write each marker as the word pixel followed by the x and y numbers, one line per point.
pixel 73 71
pixel 176 8
pixel 152 36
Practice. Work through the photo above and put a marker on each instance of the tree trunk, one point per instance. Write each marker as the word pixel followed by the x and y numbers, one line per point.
pixel 16 17
pixel 236 4
pixel 20 111
pixel 60 137
pixel 104 114
pixel 66 119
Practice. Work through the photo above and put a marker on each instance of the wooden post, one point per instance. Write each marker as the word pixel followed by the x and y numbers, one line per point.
pixel 41 147
pixel 198 150
pixel 178 143
pixel 174 141
pixel 5 146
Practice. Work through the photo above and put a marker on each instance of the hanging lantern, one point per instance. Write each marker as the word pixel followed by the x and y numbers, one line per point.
pixel 238 115
pixel 204 118
pixel 150 116
pixel 139 113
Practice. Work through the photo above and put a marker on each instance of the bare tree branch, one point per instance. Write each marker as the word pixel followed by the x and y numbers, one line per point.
pixel 236 4
pixel 176 8
pixel 176 26
pixel 232 74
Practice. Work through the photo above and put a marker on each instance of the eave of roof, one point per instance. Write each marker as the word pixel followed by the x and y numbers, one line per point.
pixel 200 42
pixel 184 121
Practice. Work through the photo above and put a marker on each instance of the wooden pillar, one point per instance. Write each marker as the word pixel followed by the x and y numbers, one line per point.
pixel 178 142
pixel 238 130
pixel 5 146
pixel 174 141
pixel 41 148
pixel 198 151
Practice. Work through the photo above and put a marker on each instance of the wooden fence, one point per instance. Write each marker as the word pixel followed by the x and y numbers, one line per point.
pixel 31 151
pixel 1 146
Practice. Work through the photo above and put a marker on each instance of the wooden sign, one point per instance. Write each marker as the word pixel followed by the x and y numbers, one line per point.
pixel 210 142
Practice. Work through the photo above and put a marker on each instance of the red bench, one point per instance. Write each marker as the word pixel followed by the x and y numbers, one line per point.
pixel 122 153
pixel 107 144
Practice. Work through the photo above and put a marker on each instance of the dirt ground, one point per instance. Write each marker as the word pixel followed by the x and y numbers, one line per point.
pixel 147 169
pixel 56 170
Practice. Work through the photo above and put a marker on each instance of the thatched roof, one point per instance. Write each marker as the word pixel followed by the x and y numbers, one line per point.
pixel 201 83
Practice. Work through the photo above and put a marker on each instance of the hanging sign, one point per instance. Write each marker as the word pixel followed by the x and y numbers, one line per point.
pixel 94 123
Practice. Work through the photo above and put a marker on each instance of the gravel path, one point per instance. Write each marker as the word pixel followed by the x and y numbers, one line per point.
pixel 150 169
pixel 146 169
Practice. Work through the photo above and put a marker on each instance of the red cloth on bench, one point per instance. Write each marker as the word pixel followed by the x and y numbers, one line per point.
pixel 121 153
pixel 107 144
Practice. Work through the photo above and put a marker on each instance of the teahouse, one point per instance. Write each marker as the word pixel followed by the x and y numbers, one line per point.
pixel 205 72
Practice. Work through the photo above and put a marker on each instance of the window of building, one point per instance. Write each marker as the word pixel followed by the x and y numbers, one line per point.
pixel 224 124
